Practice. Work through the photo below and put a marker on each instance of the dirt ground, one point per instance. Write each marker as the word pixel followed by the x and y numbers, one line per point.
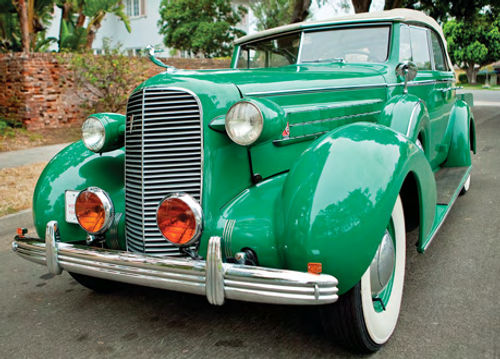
pixel 20 139
pixel 17 186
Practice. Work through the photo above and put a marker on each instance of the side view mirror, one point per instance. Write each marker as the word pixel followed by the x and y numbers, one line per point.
pixel 408 71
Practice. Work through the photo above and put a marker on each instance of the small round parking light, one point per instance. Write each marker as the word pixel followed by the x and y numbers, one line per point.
pixel 179 219
pixel 94 210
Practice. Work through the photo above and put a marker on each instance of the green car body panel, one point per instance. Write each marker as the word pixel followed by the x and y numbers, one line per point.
pixel 322 193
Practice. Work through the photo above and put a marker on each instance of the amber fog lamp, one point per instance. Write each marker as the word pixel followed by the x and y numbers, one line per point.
pixel 94 210
pixel 179 219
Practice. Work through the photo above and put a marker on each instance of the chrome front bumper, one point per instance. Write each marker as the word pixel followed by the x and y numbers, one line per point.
pixel 212 278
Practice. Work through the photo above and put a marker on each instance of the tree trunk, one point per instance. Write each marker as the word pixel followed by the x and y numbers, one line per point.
pixel 300 10
pixel 361 5
pixel 31 19
pixel 392 4
pixel 22 12
pixel 65 16
pixel 471 73
pixel 92 28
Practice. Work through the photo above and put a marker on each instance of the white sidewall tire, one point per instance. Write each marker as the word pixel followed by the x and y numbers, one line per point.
pixel 467 184
pixel 381 325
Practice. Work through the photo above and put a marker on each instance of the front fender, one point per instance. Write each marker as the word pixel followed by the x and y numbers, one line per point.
pixel 76 168
pixel 338 198
pixel 408 115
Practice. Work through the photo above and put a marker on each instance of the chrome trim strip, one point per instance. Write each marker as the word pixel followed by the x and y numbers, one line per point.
pixel 412 116
pixel 328 106
pixel 343 88
pixel 332 119
pixel 213 278
pixel 314 90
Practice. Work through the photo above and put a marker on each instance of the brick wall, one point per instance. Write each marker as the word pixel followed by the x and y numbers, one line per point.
pixel 36 90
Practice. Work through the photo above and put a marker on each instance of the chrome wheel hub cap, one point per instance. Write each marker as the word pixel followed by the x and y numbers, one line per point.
pixel 382 265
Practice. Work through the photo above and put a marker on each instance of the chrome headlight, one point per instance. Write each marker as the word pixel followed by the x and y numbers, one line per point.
pixel 93 134
pixel 244 123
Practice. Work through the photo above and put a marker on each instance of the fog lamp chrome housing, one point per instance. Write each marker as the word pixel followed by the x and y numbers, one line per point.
pixel 94 210
pixel 244 123
pixel 93 134
pixel 180 219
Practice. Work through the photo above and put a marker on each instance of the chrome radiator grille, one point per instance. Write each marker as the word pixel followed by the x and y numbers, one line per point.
pixel 163 154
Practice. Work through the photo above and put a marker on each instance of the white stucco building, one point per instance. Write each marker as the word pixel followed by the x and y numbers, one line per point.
pixel 144 16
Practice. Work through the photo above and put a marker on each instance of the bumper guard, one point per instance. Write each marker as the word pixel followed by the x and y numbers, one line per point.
pixel 212 278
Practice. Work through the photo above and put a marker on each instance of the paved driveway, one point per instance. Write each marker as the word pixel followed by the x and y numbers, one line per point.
pixel 450 304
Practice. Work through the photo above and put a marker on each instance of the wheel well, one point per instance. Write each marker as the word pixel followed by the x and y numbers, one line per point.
pixel 411 202
pixel 472 135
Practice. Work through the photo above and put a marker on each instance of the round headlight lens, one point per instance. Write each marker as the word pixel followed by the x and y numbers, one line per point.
pixel 93 134
pixel 179 218
pixel 94 210
pixel 244 123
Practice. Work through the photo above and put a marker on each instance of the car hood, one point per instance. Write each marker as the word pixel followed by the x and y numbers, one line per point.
pixel 275 80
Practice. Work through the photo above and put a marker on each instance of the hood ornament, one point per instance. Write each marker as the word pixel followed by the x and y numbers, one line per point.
pixel 154 60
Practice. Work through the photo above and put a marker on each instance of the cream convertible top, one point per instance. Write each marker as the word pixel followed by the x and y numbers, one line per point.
pixel 404 15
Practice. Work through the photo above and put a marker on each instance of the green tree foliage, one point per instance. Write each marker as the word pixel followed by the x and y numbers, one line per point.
pixel 200 26
pixel 472 44
pixel 105 81
pixel 38 17
pixel 81 19
pixel 440 10
pixel 271 13
pixel 10 32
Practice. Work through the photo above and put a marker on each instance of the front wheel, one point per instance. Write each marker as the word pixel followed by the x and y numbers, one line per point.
pixel 365 317
pixel 96 284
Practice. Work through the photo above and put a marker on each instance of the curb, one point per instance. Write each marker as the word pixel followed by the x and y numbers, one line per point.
pixel 10 222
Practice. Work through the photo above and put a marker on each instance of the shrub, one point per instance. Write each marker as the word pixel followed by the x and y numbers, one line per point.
pixel 108 78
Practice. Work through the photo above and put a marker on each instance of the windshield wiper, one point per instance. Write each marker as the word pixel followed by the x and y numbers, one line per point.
pixel 332 59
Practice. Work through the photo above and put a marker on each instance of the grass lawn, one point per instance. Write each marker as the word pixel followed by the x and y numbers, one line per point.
pixel 13 139
pixel 479 87
pixel 17 186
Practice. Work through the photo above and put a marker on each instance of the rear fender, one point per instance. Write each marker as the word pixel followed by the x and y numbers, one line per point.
pixel 337 200
pixel 463 138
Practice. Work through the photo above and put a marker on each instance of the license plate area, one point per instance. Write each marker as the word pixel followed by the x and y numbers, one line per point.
pixel 70 201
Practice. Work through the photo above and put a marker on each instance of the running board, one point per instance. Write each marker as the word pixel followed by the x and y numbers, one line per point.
pixel 449 183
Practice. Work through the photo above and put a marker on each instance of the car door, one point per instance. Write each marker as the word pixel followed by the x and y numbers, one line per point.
pixel 443 96
pixel 424 87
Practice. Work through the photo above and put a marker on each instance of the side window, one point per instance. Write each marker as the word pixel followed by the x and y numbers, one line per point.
pixel 437 51
pixel 420 48
pixel 404 44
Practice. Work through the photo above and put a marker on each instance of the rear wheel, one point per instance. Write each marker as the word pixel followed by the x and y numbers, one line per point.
pixel 365 317
pixel 466 186
pixel 96 284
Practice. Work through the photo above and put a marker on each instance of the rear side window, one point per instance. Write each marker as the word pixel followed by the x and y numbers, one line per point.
pixel 438 53
pixel 420 48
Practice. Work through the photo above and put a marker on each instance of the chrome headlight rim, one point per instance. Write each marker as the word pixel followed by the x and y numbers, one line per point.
pixel 194 206
pixel 99 144
pixel 228 128
pixel 109 209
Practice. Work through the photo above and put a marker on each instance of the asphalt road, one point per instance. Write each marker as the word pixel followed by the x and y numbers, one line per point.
pixel 450 303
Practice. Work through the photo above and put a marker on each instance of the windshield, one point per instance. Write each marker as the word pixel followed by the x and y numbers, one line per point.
pixel 360 44
pixel 280 51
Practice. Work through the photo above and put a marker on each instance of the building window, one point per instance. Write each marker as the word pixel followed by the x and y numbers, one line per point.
pixel 135 7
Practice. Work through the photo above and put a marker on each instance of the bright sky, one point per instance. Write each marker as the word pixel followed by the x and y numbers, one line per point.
pixel 332 9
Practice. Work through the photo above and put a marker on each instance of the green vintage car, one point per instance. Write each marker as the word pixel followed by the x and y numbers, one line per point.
pixel 290 178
